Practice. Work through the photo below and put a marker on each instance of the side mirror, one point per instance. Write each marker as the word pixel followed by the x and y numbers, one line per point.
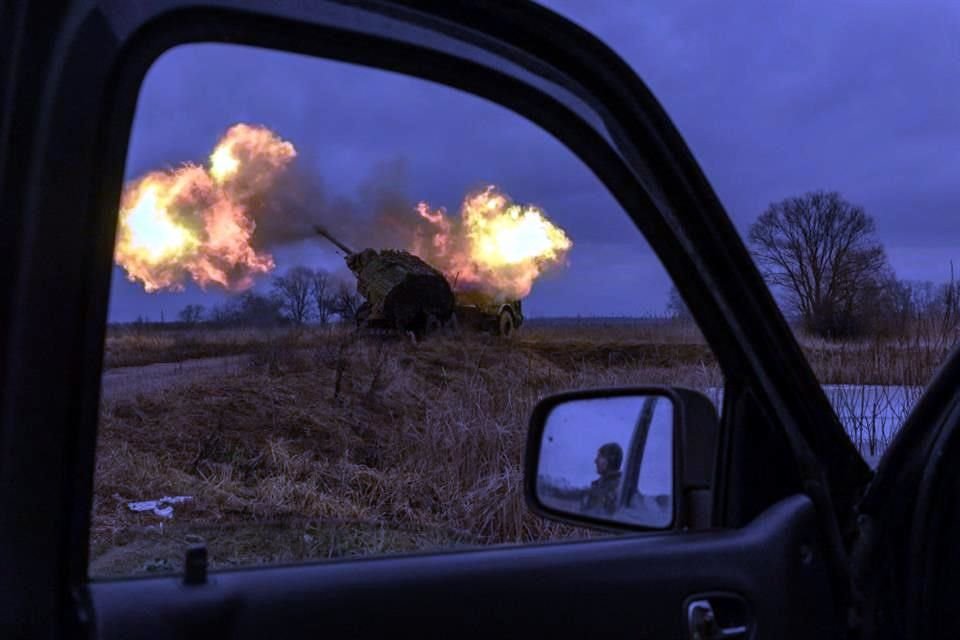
pixel 638 458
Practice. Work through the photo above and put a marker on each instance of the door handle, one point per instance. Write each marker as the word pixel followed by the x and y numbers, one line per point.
pixel 702 623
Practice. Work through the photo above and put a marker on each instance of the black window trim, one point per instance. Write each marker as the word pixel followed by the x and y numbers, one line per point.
pixel 676 213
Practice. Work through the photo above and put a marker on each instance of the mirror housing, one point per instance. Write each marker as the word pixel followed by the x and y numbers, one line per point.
pixel 692 440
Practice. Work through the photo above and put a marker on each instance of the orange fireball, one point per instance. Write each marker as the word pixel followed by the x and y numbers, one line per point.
pixel 194 222
pixel 497 246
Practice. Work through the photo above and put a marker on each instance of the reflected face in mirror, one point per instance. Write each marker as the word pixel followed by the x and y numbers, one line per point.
pixel 610 458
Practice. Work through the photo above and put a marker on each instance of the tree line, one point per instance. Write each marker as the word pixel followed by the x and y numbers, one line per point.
pixel 820 253
pixel 299 296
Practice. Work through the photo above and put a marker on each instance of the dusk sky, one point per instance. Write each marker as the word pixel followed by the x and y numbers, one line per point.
pixel 774 99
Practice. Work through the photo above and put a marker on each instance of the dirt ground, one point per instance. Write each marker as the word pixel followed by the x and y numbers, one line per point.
pixel 127 382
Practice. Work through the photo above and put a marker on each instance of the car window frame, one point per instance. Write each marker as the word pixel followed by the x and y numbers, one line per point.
pixel 651 173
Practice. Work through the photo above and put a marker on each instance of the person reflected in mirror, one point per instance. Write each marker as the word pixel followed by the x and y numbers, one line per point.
pixel 602 494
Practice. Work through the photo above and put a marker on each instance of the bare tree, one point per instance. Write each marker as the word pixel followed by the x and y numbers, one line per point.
pixel 293 291
pixel 948 302
pixel 924 299
pixel 249 309
pixel 324 299
pixel 346 302
pixel 191 314
pixel 821 251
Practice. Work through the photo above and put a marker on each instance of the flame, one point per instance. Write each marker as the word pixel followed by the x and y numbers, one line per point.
pixel 223 164
pixel 195 222
pixel 498 247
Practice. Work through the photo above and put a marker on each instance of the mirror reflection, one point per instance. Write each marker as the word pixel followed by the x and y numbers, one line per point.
pixel 610 458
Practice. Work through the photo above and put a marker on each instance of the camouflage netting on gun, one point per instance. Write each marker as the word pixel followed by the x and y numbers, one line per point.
pixel 400 287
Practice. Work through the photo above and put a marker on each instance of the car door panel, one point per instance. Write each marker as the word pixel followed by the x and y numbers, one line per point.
pixel 616 586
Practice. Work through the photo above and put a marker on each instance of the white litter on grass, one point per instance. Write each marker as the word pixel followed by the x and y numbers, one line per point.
pixel 162 507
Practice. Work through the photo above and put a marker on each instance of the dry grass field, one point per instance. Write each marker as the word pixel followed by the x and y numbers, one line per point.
pixel 314 444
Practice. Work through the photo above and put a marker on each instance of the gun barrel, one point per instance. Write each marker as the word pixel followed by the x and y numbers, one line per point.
pixel 326 234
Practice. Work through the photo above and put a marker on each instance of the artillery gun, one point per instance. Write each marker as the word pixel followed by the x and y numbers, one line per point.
pixel 401 292
pixel 477 309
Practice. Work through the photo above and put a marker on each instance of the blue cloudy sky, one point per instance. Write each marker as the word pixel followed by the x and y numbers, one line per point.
pixel 774 99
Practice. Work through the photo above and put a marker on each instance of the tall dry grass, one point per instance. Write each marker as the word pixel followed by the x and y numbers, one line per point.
pixel 876 381
pixel 139 346
pixel 349 447
pixel 327 446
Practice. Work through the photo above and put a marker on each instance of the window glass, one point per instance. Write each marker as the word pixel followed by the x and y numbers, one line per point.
pixel 284 396
pixel 828 130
